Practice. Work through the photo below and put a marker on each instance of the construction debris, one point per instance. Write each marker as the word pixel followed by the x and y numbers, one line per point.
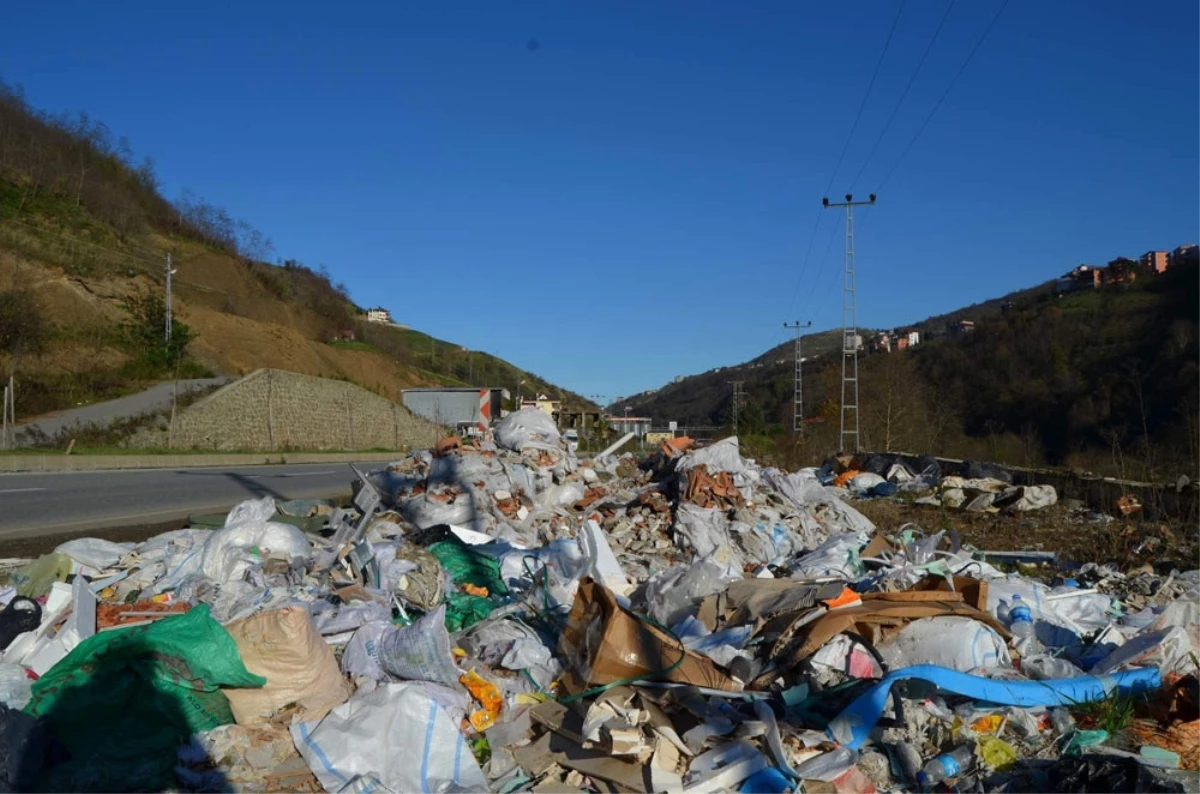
pixel 506 616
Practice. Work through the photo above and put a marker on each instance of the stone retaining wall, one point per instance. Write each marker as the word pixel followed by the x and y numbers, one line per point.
pixel 273 410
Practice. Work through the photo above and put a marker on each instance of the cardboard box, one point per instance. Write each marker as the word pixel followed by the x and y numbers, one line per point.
pixel 604 643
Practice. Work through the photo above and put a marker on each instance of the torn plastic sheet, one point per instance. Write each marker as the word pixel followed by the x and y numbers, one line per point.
pixel 721 646
pixel 1169 650
pixel 804 490
pixel 723 767
pixel 703 529
pixel 827 766
pixel 722 456
pixel 837 556
pixel 763 711
pixel 672 594
pixel 773 543
pixel 854 725
pixel 1022 498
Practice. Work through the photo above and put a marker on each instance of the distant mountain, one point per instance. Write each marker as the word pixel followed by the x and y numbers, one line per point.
pixel 704 399
pixel 1105 379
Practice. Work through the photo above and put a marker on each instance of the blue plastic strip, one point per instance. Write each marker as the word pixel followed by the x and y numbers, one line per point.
pixel 852 727
pixel 433 707
pixel 320 754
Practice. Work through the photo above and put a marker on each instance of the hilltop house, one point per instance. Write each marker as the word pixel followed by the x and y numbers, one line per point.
pixel 379 315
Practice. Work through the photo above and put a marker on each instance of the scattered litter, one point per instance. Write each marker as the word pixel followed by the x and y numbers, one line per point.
pixel 499 614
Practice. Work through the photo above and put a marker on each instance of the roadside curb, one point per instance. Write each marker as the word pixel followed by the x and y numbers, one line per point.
pixel 12 464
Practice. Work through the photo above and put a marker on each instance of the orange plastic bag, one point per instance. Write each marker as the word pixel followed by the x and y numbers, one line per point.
pixel 488 695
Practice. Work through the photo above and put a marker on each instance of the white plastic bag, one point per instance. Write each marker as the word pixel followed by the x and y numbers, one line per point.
pixel 230 552
pixel 422 511
pixel 837 556
pixel 401 734
pixel 251 511
pixel 94 552
pixel 420 652
pixel 528 427
pixel 16 688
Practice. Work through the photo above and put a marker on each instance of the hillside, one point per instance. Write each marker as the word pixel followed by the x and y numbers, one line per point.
pixel 705 399
pixel 84 234
pixel 1103 379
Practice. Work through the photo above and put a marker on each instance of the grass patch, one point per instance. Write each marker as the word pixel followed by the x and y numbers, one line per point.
pixel 1113 715
pixel 366 347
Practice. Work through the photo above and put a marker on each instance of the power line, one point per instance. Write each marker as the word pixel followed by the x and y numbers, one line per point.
pixel 812 238
pixel 945 94
pixel 887 125
pixel 825 258
pixel 862 105
pixel 854 126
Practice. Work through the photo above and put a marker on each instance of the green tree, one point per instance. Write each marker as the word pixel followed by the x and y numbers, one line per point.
pixel 145 329
pixel 23 327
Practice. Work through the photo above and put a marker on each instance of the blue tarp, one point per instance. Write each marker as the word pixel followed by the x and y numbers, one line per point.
pixel 852 727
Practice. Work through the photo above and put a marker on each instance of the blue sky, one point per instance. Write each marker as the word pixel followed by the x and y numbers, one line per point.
pixel 633 198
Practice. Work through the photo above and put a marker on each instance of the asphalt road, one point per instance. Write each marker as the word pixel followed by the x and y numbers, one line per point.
pixel 156 398
pixel 36 504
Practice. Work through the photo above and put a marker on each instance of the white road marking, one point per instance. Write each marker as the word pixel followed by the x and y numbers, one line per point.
pixel 21 490
pixel 294 474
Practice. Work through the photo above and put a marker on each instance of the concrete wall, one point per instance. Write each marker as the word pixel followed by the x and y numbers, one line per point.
pixel 273 410
pixel 446 406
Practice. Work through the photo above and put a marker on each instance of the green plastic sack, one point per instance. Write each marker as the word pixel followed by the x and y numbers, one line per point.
pixel 464 610
pixel 463 564
pixel 124 700
pixel 35 579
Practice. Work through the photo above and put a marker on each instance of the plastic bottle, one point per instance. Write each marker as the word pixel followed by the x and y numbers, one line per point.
pixel 1062 721
pixel 1021 626
pixel 947 766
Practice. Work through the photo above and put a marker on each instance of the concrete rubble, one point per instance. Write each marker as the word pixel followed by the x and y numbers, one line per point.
pixel 504 615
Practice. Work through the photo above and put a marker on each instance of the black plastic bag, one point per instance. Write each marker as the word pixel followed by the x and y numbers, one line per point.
pixel 21 615
pixel 22 749
pixel 1085 774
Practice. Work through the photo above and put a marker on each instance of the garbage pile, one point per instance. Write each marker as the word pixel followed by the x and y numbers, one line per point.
pixel 972 486
pixel 503 616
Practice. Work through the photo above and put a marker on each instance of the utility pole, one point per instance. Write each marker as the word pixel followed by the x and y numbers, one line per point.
pixel 849 424
pixel 798 386
pixel 167 331
pixel 738 394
